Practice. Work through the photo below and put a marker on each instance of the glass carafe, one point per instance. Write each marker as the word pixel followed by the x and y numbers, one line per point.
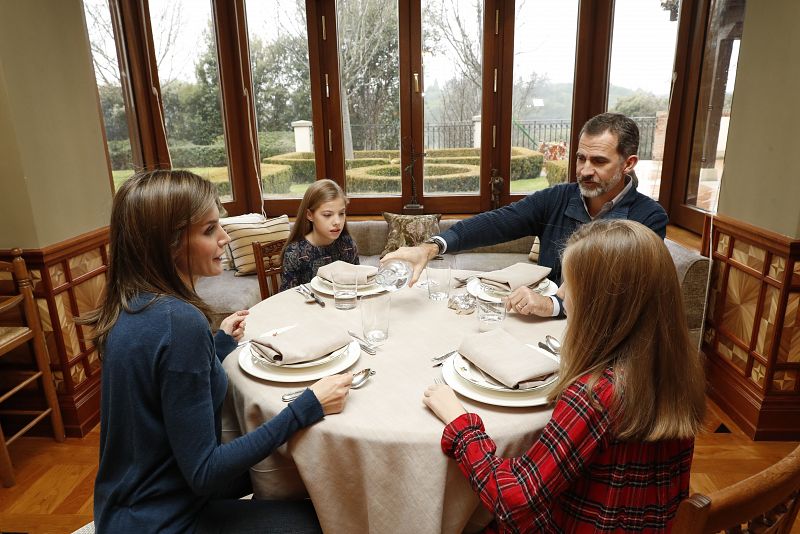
pixel 393 274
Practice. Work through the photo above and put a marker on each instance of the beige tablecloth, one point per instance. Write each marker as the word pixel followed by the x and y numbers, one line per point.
pixel 378 466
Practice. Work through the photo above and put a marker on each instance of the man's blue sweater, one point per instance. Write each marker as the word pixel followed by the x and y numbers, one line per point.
pixel 553 214
pixel 162 391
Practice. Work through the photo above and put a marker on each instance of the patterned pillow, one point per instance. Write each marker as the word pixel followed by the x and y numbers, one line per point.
pixel 534 254
pixel 244 233
pixel 409 230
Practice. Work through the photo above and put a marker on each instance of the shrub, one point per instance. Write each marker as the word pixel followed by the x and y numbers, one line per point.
pixel 275 179
pixel 525 163
pixel 120 154
pixel 274 143
pixel 364 162
pixel 438 178
pixel 188 155
pixel 556 171
pixel 304 167
pixel 380 154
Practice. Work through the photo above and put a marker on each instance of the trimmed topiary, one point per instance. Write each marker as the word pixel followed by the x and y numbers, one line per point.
pixel 275 179
pixel 556 171
pixel 303 165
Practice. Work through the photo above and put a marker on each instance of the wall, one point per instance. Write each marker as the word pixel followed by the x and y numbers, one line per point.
pixel 55 182
pixel 760 185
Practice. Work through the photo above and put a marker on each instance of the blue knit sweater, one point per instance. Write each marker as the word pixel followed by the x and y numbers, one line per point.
pixel 162 392
pixel 553 214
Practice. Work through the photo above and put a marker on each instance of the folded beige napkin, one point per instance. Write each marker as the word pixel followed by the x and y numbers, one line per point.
pixel 506 359
pixel 363 273
pixel 309 340
pixel 517 275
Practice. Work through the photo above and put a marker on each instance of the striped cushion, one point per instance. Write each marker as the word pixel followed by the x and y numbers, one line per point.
pixel 243 234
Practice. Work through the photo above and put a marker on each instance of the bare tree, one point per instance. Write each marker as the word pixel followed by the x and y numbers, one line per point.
pixel 166 28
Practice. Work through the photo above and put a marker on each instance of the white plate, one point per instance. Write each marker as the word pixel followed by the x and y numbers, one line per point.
pixel 302 374
pixel 321 286
pixel 511 398
pixel 474 288
pixel 471 373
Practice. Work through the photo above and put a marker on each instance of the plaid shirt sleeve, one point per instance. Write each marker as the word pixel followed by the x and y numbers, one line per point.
pixel 519 490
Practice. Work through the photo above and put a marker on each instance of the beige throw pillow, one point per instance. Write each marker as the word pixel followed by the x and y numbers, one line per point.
pixel 244 233
pixel 534 254
pixel 409 230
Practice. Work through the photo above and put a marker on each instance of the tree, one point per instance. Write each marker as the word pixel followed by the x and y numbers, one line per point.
pixel 640 104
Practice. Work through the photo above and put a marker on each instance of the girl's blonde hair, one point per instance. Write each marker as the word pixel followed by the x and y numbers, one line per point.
pixel 150 218
pixel 627 313
pixel 318 193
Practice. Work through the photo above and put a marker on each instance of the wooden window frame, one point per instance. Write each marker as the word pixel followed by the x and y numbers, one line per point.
pixel 590 90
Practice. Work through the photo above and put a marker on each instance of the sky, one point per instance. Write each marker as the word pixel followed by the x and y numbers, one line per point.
pixel 642 47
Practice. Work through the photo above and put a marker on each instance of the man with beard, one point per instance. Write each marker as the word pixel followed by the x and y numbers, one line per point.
pixel 604 189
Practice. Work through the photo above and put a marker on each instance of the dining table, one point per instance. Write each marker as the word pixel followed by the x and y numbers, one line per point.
pixel 378 465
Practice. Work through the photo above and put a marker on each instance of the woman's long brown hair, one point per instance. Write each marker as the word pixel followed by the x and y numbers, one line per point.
pixel 627 313
pixel 150 217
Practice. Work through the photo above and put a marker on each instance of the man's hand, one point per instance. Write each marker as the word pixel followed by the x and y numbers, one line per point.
pixel 443 402
pixel 234 324
pixel 417 256
pixel 525 302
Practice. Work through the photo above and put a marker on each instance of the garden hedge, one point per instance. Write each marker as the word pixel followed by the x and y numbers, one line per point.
pixel 556 171
pixel 438 178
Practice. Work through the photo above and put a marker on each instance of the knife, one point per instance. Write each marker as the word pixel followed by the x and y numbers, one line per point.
pixel 548 349
pixel 314 295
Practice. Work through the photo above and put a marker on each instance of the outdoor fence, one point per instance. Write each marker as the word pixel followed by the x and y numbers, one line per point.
pixel 461 134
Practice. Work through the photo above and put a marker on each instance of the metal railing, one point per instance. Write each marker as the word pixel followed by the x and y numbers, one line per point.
pixel 524 133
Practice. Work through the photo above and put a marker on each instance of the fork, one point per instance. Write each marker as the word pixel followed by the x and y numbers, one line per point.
pixel 368 347
pixel 438 381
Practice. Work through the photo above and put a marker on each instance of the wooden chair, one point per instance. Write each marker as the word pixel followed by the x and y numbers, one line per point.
pixel 268 266
pixel 766 502
pixel 19 324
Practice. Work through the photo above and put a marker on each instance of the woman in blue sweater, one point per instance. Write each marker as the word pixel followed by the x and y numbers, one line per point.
pixel 162 466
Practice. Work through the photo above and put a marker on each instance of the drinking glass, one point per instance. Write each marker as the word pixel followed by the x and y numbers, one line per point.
pixel 345 290
pixel 491 313
pixel 375 317
pixel 438 274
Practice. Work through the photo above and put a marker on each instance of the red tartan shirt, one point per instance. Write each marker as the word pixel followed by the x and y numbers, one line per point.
pixel 576 477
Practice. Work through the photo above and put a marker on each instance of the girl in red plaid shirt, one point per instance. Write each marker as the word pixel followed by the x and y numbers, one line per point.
pixel 615 457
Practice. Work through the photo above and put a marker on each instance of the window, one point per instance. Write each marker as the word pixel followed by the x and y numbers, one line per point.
pixel 278 39
pixel 365 92
pixel 109 89
pixel 188 73
pixel 544 69
pixel 642 55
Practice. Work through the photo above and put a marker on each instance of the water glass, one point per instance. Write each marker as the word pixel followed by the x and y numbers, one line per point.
pixel 345 290
pixel 491 312
pixel 438 274
pixel 375 317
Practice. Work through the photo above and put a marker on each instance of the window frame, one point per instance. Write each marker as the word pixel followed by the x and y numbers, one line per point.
pixel 592 67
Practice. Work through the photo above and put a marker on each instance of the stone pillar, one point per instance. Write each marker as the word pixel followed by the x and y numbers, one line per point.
pixel 476 131
pixel 303 140
pixel 658 137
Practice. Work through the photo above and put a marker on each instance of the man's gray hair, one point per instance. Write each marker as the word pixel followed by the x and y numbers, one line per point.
pixel 618 124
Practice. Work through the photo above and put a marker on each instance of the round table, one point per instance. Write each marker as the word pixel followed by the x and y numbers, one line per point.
pixel 378 466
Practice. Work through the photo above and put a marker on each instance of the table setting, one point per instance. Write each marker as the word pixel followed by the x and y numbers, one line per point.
pixel 385 430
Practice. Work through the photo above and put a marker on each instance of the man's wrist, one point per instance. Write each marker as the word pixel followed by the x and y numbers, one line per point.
pixel 431 250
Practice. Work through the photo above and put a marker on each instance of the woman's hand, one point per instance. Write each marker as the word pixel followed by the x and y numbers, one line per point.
pixel 443 402
pixel 332 391
pixel 525 302
pixel 234 324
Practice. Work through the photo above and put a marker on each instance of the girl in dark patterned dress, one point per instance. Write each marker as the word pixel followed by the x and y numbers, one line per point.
pixel 319 235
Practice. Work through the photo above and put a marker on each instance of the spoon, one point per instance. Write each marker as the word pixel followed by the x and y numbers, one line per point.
pixel 359 379
pixel 553 344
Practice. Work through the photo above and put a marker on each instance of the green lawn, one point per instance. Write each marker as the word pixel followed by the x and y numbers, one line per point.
pixel 529 185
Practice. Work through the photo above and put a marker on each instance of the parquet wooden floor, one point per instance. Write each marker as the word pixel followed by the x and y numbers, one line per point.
pixel 55 480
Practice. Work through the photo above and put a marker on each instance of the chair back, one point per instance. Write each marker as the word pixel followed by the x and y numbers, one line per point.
pixel 269 265
pixel 766 502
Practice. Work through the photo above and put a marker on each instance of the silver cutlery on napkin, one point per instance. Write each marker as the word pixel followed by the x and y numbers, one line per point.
pixel 365 345
pixel 439 360
pixel 304 288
